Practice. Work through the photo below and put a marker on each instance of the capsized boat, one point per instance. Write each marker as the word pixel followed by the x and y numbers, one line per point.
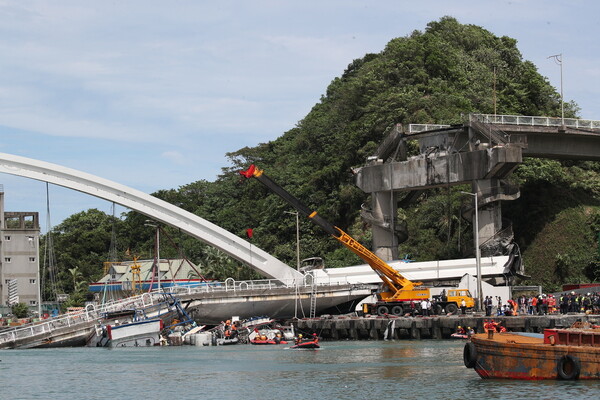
pixel 133 327
pixel 276 340
pixel 567 354
pixel 263 331
pixel 134 334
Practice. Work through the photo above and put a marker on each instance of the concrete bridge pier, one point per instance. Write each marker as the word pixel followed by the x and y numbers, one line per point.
pixel 489 212
pixel 384 210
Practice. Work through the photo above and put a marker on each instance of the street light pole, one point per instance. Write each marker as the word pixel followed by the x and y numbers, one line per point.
pixel 477 253
pixel 157 250
pixel 558 59
pixel 297 237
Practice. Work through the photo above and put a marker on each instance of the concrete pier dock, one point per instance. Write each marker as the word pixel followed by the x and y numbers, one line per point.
pixel 437 327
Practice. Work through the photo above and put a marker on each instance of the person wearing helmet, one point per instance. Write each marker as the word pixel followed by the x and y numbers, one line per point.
pixel 299 340
pixel 315 338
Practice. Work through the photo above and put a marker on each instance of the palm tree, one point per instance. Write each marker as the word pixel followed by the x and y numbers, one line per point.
pixel 76 277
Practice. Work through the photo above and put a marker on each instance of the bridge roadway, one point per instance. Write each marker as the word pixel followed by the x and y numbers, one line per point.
pixel 209 304
pixel 482 152
pixel 73 329
pixel 337 291
pixel 460 154
pixel 257 298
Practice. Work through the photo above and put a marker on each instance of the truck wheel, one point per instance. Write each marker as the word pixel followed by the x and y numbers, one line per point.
pixel 397 310
pixel 451 308
pixel 437 309
pixel 382 310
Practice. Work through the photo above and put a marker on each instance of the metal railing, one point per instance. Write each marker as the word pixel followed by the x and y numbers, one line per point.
pixel 231 285
pixel 91 313
pixel 418 128
pixel 536 121
pixel 524 120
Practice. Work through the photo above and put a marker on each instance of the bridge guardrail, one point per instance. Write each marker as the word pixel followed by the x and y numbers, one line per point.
pixel 74 318
pixel 230 285
pixel 536 121
pixel 523 120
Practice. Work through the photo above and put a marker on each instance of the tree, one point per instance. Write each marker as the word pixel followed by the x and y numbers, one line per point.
pixel 429 76
pixel 20 310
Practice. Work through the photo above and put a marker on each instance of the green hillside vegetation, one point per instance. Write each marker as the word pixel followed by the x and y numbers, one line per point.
pixel 430 76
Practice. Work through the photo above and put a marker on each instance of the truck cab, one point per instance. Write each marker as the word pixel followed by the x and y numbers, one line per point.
pixel 456 296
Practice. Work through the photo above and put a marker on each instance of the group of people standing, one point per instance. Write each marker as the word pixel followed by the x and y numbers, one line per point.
pixel 426 307
pixel 544 304
pixel 579 302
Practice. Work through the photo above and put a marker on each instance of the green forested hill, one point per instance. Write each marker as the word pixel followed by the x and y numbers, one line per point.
pixel 430 76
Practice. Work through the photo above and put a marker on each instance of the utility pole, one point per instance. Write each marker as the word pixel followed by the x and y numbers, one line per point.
pixel 558 58
pixel 156 249
pixel 477 254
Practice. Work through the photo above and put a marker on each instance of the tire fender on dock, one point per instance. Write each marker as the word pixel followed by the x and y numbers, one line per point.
pixel 470 355
pixel 568 367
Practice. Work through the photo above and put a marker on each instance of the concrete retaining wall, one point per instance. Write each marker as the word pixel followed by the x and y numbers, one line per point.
pixel 380 328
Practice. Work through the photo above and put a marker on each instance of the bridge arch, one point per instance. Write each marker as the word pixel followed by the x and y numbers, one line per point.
pixel 152 207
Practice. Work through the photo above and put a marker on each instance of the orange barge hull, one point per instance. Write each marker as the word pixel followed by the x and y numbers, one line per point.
pixel 560 354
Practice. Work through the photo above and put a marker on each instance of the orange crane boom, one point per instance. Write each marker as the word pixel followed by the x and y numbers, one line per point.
pixel 398 287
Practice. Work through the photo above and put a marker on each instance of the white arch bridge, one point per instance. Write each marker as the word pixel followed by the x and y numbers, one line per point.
pixel 155 208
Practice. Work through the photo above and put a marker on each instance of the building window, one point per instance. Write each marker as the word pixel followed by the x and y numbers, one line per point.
pixel 32 302
pixel 31 259
pixel 7 238
pixel 32 281
pixel 6 281
pixel 7 259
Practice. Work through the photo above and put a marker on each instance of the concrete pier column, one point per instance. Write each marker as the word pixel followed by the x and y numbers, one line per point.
pixel 415 332
pixel 436 330
pixel 490 214
pixel 385 241
pixel 334 333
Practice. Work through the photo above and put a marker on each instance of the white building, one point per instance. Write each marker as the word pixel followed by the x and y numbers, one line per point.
pixel 19 256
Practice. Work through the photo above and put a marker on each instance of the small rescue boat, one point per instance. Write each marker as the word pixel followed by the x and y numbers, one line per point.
pixel 459 336
pixel 306 345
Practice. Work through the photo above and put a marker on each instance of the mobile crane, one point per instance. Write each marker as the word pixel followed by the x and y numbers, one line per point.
pixel 399 294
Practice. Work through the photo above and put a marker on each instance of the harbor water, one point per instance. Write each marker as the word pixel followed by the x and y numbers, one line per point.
pixel 427 369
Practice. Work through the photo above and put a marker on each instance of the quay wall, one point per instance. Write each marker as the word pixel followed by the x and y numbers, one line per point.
pixel 416 328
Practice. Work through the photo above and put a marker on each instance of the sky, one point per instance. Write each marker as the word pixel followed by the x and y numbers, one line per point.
pixel 153 94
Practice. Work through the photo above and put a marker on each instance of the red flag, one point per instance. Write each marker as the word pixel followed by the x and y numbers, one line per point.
pixel 249 233
pixel 249 172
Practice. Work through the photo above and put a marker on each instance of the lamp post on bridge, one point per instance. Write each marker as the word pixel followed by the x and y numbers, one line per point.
pixel 477 254
pixel 157 248
pixel 558 59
